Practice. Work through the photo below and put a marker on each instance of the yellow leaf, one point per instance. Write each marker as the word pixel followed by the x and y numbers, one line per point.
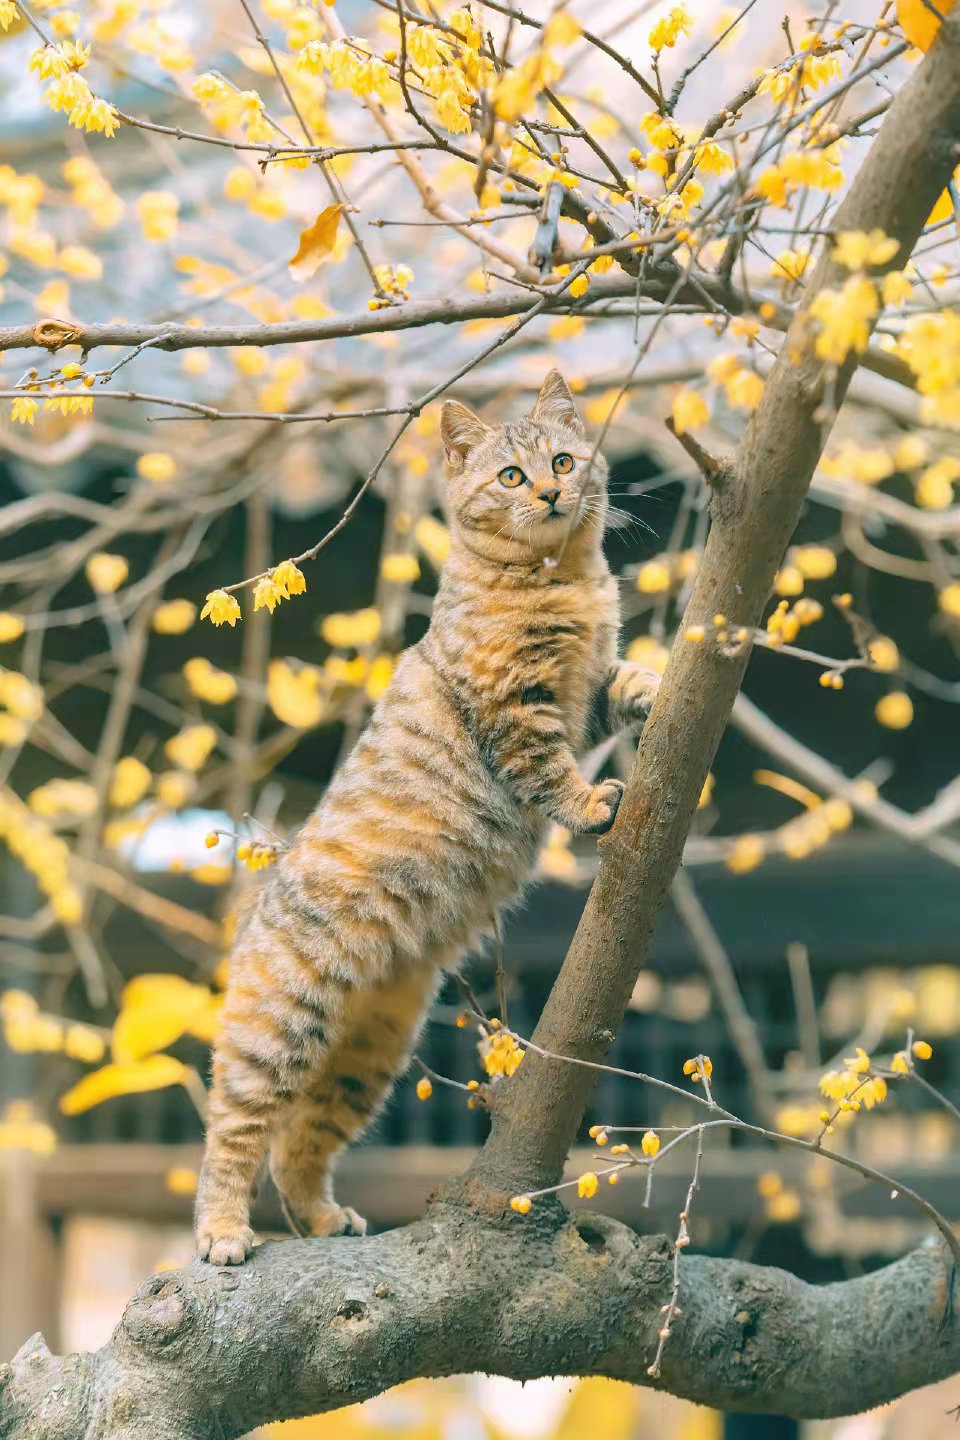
pixel 155 1011
pixel 155 1073
pixel 316 242
pixel 920 22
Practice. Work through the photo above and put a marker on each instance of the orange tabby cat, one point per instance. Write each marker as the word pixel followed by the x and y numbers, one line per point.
pixel 432 824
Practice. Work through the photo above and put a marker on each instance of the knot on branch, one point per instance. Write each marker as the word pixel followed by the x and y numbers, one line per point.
pixel 52 334
pixel 159 1313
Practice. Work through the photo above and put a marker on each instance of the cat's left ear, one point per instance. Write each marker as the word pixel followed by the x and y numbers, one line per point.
pixel 555 402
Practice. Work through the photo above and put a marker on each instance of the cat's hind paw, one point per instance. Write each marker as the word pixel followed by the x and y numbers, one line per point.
pixel 337 1220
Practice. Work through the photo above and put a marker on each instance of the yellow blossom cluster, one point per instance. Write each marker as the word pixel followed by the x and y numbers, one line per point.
pixel 256 854
pixel 501 1053
pixel 278 584
pixel 784 624
pixel 208 683
pixel 743 387
pixel 27 1030
pixel 229 108
pixel 809 73
pixel 665 571
pixel 31 841
pixel 393 285
pixel 21 705
pixel 697 1067
pixel 930 344
pixel 668 30
pixel 19 1130
pixel 853 1088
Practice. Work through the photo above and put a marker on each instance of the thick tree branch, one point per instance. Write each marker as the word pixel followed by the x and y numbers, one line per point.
pixel 754 509
pixel 307 1327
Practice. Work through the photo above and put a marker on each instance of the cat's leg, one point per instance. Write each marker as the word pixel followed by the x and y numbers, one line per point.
pixel 626 695
pixel 343 1096
pixel 525 742
pixel 276 1028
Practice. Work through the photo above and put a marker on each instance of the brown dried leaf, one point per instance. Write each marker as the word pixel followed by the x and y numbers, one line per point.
pixel 316 243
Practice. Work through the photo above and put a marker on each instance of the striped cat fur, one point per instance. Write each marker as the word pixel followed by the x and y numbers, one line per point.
pixel 432 824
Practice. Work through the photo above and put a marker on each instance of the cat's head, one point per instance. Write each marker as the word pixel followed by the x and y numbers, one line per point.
pixel 526 487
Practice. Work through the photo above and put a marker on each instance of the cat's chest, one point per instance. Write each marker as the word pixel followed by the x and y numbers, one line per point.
pixel 570 637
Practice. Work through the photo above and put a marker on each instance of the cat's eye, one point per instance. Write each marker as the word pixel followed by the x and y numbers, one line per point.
pixel 511 476
pixel 562 464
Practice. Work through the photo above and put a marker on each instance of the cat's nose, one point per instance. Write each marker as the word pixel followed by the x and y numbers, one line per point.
pixel 549 497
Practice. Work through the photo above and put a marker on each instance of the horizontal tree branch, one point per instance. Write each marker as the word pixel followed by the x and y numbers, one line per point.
pixel 306 1327
pixel 656 285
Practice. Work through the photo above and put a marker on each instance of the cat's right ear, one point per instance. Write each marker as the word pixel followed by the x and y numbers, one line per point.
pixel 460 431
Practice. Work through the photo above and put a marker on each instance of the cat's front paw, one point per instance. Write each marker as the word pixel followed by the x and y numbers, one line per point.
pixel 228 1247
pixel 599 809
pixel 632 692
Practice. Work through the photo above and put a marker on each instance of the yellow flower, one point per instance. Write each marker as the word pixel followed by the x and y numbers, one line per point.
pixel 895 710
pixel 221 608
pixel 267 594
pixel 106 573
pixel 157 466
pixel 653 577
pixel 191 747
pixel 208 683
pixel 174 617
pixel 521 1203
pixel 667 31
pixel 856 250
pixel 502 1054
pixel 289 579
pixel 844 317
pixel 689 409
pixel 884 654
pixel 650 1144
pixel 158 214
pixel 355 630
pixel 131 781
pixel 174 788
pixel 949 599
pixel 692 1068
pixel 712 159
pixel 922 1049
pixel 744 390
pixel 424 1088
pixel 897 288
pixel 746 853
pixel 587 1185
pixel 24 410
pixel 181 1180
pixel 256 855
pixel 790 264
pixel 294 696
pixel 11 627
pixel 60 797
pixel 900 1065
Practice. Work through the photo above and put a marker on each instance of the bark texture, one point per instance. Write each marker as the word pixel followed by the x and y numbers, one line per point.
pixel 205 1354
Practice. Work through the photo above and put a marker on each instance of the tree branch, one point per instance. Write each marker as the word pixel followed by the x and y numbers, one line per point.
pixel 754 510
pixel 522 1297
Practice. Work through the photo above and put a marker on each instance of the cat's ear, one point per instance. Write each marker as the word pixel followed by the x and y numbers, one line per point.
pixel 555 402
pixel 460 431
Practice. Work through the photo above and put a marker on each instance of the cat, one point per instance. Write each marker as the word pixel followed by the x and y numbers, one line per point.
pixel 431 826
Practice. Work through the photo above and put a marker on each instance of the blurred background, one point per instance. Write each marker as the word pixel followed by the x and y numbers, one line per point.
pixel 818 906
